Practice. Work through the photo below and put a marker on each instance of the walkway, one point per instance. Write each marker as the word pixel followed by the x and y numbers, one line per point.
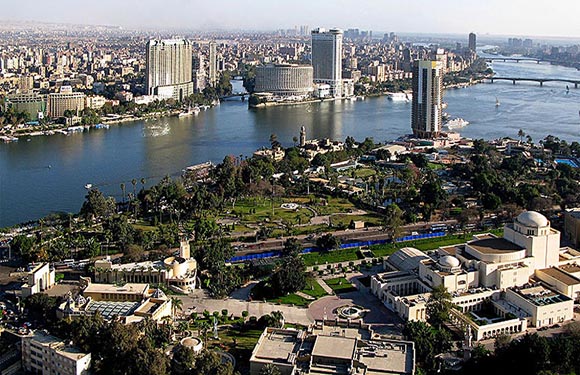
pixel 325 286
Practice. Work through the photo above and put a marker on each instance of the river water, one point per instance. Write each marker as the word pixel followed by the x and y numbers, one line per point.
pixel 48 174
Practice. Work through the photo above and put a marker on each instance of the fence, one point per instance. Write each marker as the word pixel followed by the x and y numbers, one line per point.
pixel 308 250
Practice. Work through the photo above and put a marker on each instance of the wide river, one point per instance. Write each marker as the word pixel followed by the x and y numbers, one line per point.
pixel 48 174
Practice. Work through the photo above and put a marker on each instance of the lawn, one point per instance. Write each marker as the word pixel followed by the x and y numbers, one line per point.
pixel 258 210
pixel 335 256
pixel 364 172
pixel 340 285
pixel 343 220
pixel 426 244
pixel 313 289
pixel 335 206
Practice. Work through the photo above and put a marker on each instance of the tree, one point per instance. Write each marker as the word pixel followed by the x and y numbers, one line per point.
pixel 393 220
pixel 183 360
pixel 176 304
pixel 274 142
pixel 270 369
pixel 328 242
pixel 292 247
pixel 96 205
pixel 290 277
pixel 24 246
pixel 438 306
pixel 521 134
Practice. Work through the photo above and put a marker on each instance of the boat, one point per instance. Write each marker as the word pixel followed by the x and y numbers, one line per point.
pixel 8 139
pixel 102 126
pixel 497 103
pixel 398 97
pixel 456 123
pixel 88 186
pixel 567 89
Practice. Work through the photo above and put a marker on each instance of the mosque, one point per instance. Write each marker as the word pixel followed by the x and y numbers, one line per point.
pixel 498 285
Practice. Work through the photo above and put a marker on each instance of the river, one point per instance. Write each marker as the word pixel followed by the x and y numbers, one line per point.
pixel 48 174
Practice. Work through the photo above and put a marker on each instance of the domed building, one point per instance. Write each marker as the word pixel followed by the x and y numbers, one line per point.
pixel 524 278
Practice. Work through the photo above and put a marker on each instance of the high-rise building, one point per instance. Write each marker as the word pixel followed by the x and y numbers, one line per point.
pixel 327 58
pixel 212 63
pixel 472 41
pixel 169 68
pixel 426 116
pixel 284 79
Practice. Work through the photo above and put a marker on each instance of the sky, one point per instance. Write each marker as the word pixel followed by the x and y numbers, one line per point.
pixel 497 17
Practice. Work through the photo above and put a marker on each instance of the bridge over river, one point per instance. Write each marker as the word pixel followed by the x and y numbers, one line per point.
pixel 539 80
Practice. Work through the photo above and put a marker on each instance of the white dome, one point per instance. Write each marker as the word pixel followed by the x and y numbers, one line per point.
pixel 449 261
pixel 532 219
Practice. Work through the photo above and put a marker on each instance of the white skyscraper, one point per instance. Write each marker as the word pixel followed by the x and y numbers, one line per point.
pixel 327 58
pixel 169 68
pixel 426 115
pixel 212 64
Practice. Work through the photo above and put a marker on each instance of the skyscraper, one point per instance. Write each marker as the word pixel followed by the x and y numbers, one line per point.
pixel 472 41
pixel 212 63
pixel 427 99
pixel 327 58
pixel 169 68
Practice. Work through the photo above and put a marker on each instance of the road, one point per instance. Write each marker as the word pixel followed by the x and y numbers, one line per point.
pixel 348 235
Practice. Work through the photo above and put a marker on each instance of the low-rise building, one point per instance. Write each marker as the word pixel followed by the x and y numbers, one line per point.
pixel 45 354
pixel 332 348
pixel 41 277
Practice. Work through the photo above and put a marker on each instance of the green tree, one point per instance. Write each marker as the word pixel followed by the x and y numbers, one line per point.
pixel 270 369
pixel 393 220
pixel 97 206
pixel 292 247
pixel 289 277
pixel 438 306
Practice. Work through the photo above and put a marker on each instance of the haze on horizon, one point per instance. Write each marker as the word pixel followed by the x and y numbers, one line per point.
pixel 498 17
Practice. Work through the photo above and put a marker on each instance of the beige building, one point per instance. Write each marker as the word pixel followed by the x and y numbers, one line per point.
pixel 500 285
pixel 31 103
pixel 40 278
pixel 179 272
pixel 58 103
pixel 47 355
pixel 332 348
pixel 285 80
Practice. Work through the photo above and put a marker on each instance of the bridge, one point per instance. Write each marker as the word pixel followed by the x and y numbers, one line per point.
pixel 540 80
pixel 516 59
pixel 235 96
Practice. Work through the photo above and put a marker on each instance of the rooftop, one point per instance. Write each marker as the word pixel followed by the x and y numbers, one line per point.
pixel 129 288
pixel 386 356
pixel 541 296
pixel 561 276
pixel 277 345
pixel 110 309
pixel 334 347
pixel 494 246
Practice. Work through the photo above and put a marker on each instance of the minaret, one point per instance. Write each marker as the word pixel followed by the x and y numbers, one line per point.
pixel 302 136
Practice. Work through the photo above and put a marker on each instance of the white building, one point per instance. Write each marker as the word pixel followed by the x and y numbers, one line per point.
pixel 500 285
pixel 327 58
pixel 169 68
pixel 47 355
pixel 40 278
pixel 285 80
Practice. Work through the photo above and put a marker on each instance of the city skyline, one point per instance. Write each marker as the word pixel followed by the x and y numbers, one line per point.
pixel 446 16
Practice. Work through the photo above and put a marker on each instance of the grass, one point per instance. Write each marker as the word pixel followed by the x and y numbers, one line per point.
pixel 435 166
pixel 343 220
pixel 426 244
pixel 313 289
pixel 335 256
pixel 365 172
pixel 340 285
pixel 335 206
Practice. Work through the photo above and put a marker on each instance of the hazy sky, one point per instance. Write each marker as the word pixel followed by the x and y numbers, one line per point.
pixel 506 17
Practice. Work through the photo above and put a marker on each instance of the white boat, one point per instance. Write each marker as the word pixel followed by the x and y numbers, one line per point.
pixel 190 111
pixel 88 186
pixel 398 97
pixel 497 103
pixel 456 123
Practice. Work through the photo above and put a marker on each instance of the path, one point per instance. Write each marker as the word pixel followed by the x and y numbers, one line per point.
pixel 325 286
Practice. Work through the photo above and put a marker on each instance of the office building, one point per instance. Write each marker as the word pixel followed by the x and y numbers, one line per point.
pixel 285 80
pixel 212 70
pixel 169 68
pixel 332 347
pixel 572 226
pixel 426 115
pixel 500 285
pixel 31 103
pixel 45 354
pixel 327 59
pixel 58 103
pixel 472 41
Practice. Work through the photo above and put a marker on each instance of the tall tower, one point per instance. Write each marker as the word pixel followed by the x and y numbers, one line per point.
pixel 327 58
pixel 212 63
pixel 427 99
pixel 302 136
pixel 472 41
pixel 169 68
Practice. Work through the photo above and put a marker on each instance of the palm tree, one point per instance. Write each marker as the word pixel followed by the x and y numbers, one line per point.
pixel 123 190
pixel 521 134
pixel 143 183
pixel 134 183
pixel 278 317
pixel 176 304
